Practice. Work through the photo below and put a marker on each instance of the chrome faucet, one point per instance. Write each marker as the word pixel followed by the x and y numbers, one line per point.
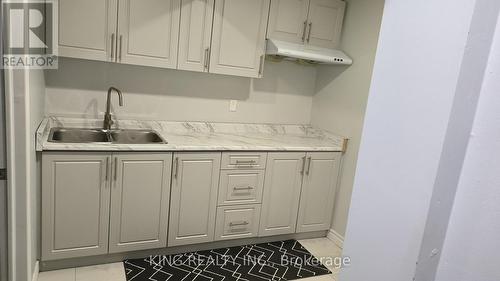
pixel 108 120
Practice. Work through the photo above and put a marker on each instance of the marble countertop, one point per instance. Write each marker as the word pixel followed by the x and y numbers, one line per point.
pixel 199 136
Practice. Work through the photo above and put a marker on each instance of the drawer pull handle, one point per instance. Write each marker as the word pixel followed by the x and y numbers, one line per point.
pixel 246 162
pixel 243 188
pixel 233 224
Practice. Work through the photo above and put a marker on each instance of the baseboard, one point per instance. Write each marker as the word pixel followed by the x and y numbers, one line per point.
pixel 336 238
pixel 36 271
pixel 112 258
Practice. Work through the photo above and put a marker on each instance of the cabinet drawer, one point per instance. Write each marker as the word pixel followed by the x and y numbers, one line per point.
pixel 244 160
pixel 237 222
pixel 241 187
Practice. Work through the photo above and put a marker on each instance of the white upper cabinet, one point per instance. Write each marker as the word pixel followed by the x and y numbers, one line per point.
pixel 238 38
pixel 84 36
pixel 318 191
pixel 310 22
pixel 148 32
pixel 195 34
pixel 288 20
pixel 325 22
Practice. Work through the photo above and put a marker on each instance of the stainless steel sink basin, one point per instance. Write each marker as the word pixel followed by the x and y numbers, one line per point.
pixel 62 135
pixel 135 137
pixel 74 135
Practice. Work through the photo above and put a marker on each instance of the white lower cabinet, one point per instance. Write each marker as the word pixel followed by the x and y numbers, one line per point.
pixel 194 198
pixel 99 203
pixel 318 191
pixel 78 189
pixel 235 222
pixel 75 204
pixel 140 196
pixel 282 186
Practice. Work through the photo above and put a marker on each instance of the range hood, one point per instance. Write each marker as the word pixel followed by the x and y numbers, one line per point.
pixel 310 54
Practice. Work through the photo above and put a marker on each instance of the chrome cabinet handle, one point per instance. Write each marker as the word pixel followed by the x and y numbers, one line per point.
pixel 113 46
pixel 116 169
pixel 261 66
pixel 309 166
pixel 107 168
pixel 207 56
pixel 243 188
pixel 309 35
pixel 233 224
pixel 304 32
pixel 246 162
pixel 121 42
pixel 176 173
pixel 303 165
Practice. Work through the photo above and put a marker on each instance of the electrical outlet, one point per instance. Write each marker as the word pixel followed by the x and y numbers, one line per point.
pixel 233 105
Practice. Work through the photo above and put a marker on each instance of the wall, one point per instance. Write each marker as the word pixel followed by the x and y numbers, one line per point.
pixel 284 96
pixel 36 92
pixel 474 64
pixel 342 93
pixel 414 82
pixel 471 245
pixel 24 111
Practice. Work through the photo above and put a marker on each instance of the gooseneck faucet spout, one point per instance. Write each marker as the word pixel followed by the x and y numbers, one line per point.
pixel 108 120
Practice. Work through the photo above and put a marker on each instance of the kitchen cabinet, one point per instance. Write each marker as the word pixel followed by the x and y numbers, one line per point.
pixel 288 20
pixel 87 37
pixel 140 195
pixel 148 32
pixel 195 35
pixel 194 198
pixel 94 200
pixel 282 186
pixel 325 23
pixel 238 37
pixel 318 191
pixel 97 203
pixel 75 204
pixel 124 31
pixel 236 222
pixel 311 22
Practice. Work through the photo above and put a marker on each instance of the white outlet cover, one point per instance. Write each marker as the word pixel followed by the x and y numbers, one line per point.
pixel 233 105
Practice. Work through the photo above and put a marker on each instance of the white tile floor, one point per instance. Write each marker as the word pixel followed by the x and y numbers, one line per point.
pixel 321 247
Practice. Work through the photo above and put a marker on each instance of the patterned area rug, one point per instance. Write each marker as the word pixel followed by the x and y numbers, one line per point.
pixel 277 261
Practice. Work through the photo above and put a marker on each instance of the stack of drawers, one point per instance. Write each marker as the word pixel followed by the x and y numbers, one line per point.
pixel 240 195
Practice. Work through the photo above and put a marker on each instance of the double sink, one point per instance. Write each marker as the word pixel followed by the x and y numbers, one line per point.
pixel 70 135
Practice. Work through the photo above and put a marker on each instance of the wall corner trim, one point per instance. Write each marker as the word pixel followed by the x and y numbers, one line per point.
pixel 36 271
pixel 336 238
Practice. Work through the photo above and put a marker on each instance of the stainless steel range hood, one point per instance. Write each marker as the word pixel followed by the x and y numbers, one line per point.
pixel 311 54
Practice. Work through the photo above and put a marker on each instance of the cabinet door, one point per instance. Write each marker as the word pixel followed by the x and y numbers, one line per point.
pixel 75 205
pixel 238 39
pixel 282 186
pixel 325 22
pixel 148 32
pixel 318 192
pixel 194 198
pixel 195 34
pixel 288 20
pixel 140 196
pixel 87 29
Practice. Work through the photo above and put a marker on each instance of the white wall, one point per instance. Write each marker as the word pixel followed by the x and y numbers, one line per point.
pixel 472 241
pixel 79 88
pixel 417 66
pixel 470 81
pixel 24 111
pixel 342 93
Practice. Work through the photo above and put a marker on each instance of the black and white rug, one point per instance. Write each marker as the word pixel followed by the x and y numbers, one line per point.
pixel 277 261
